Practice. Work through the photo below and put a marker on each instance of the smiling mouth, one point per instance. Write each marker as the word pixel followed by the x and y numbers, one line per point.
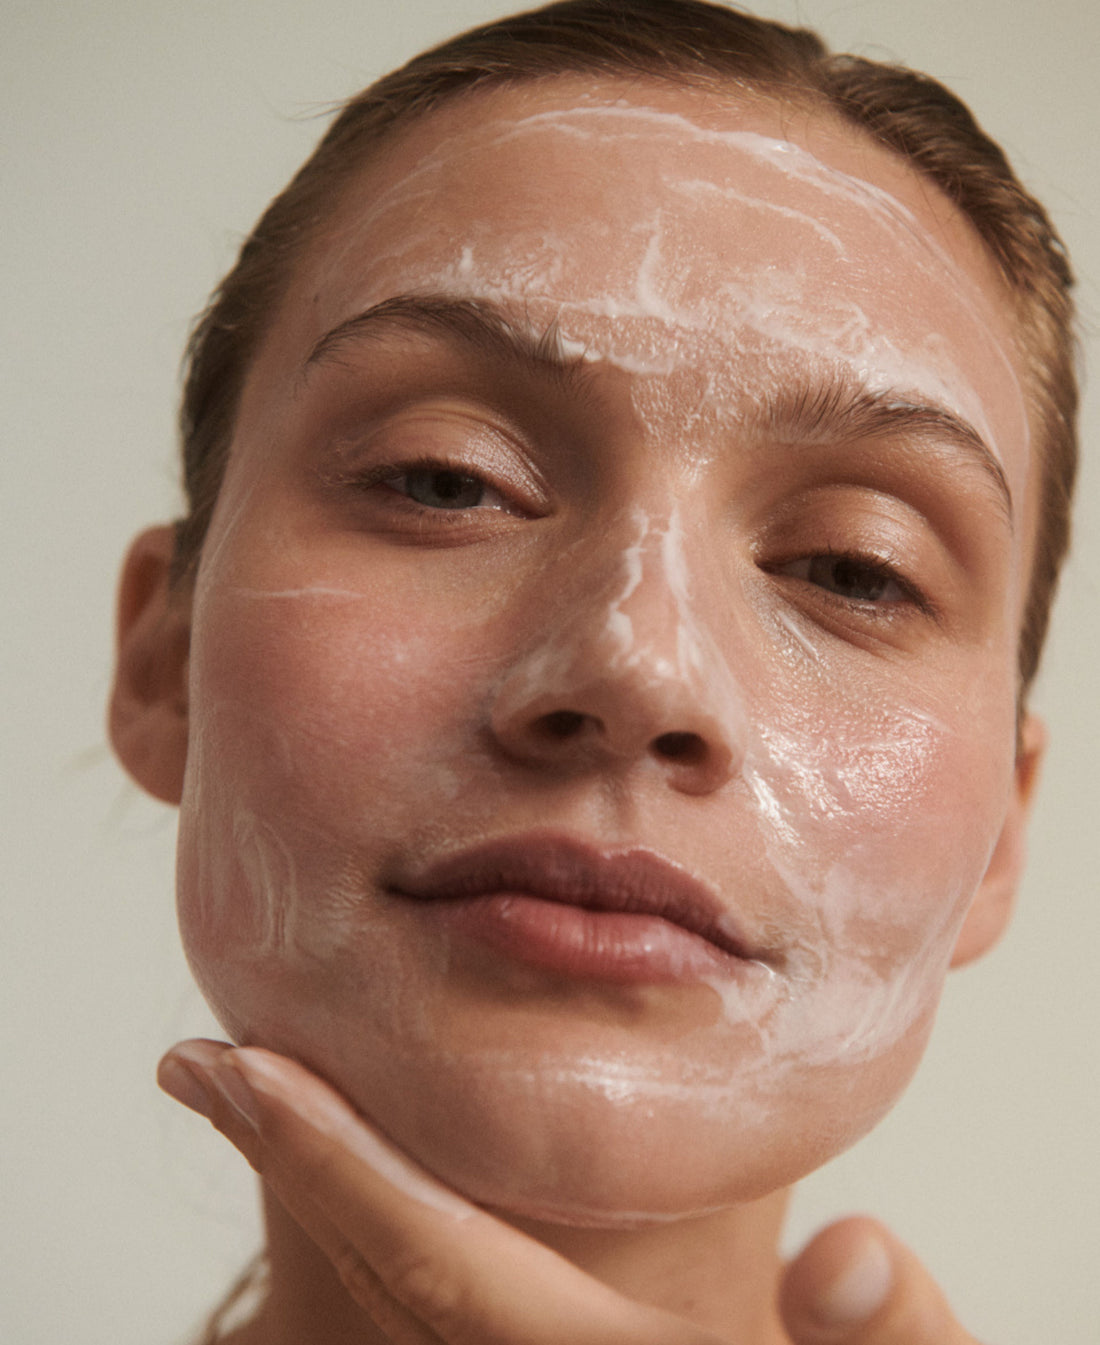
pixel 559 904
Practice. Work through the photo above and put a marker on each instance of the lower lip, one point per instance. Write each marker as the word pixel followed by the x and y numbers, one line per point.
pixel 616 946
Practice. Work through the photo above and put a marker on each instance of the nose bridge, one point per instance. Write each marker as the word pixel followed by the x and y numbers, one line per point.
pixel 648 617
pixel 670 640
pixel 665 625
pixel 624 653
pixel 626 613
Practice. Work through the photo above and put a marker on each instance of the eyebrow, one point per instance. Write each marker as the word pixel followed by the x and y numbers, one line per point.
pixel 843 411
pixel 478 324
pixel 837 410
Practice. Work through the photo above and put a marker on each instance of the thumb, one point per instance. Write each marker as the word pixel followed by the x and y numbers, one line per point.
pixel 856 1284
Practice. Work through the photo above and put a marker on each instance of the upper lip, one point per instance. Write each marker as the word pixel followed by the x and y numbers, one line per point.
pixel 563 869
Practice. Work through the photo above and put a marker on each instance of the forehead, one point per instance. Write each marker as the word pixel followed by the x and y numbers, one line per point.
pixel 666 228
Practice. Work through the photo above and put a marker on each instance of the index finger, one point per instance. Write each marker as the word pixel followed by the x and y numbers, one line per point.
pixel 389 1225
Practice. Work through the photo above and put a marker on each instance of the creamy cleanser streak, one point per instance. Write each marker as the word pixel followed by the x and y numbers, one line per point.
pixel 766 308
pixel 740 261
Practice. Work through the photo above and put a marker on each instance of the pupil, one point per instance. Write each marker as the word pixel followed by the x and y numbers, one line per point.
pixel 444 490
pixel 857 580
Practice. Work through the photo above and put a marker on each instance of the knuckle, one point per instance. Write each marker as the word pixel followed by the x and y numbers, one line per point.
pixel 430 1290
pixel 357 1277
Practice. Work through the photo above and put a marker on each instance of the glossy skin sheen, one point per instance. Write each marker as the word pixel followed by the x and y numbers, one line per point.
pixel 729 582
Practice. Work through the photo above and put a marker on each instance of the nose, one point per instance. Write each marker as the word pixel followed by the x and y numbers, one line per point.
pixel 622 673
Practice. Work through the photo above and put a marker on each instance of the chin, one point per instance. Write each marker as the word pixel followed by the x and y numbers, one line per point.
pixel 538 1148
pixel 563 1120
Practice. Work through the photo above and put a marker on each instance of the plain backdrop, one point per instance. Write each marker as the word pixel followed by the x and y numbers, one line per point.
pixel 142 140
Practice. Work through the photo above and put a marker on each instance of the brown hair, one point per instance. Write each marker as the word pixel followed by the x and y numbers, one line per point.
pixel 685 40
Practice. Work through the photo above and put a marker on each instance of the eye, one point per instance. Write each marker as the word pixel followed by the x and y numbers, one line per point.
pixel 857 579
pixel 443 488
pixel 853 577
pixel 438 486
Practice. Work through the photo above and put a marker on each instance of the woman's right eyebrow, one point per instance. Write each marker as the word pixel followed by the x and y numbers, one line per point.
pixel 481 326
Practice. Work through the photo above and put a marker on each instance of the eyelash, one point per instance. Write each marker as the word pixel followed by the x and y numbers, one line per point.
pixel 874 565
pixel 385 474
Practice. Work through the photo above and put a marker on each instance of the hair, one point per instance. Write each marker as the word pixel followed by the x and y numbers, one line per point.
pixel 686 41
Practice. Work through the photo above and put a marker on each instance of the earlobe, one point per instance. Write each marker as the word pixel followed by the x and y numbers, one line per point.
pixel 148 713
pixel 989 914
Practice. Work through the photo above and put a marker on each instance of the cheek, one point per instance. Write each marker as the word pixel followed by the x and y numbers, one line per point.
pixel 317 714
pixel 878 819
pixel 324 692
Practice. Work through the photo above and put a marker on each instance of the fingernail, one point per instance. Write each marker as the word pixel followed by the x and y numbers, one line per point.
pixel 237 1093
pixel 861 1290
pixel 197 1072
pixel 181 1083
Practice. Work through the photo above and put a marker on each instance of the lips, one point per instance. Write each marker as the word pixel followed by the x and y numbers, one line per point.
pixel 561 904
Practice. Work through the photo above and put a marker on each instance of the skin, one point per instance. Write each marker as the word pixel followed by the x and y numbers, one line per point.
pixel 650 550
pixel 414 1272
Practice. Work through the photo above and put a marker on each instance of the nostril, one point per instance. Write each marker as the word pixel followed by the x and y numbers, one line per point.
pixel 685 747
pixel 561 724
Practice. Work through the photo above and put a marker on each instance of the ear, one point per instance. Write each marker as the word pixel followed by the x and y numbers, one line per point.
pixel 989 914
pixel 147 717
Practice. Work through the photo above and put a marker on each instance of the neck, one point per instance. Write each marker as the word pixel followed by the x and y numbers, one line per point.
pixel 720 1272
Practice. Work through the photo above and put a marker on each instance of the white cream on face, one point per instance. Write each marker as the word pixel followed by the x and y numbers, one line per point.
pixel 810 304
pixel 341 704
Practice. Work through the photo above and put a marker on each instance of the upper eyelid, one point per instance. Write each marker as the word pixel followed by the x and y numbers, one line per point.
pixel 842 413
pixel 433 465
pixel 492 449
pixel 431 408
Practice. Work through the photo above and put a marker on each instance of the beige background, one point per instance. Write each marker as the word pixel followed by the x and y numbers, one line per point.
pixel 147 135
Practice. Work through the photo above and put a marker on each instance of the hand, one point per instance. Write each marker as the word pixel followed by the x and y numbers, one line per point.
pixel 432 1269
pixel 856 1284
pixel 427 1266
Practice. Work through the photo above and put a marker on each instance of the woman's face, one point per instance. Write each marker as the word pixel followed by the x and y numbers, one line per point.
pixel 603 660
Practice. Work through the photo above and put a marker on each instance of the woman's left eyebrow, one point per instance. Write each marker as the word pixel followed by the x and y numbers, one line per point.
pixel 478 324
pixel 839 410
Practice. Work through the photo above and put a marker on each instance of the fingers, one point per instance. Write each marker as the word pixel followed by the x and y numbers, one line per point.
pixel 427 1265
pixel 195 1075
pixel 856 1284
